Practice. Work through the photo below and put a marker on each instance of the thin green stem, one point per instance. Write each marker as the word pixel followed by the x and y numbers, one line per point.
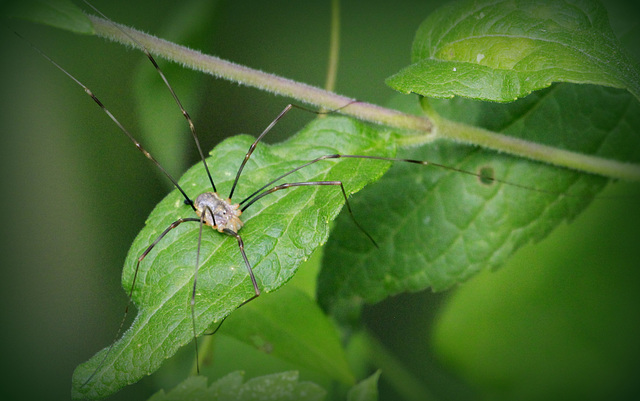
pixel 394 371
pixel 417 129
pixel 334 47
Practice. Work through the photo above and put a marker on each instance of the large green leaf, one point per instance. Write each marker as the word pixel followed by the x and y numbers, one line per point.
pixel 280 232
pixel 437 227
pixel 503 50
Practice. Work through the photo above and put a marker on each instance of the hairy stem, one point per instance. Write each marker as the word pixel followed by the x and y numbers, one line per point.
pixel 419 129
pixel 247 76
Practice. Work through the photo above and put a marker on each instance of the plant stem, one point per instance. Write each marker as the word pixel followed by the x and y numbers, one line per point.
pixel 334 46
pixel 531 150
pixel 416 128
pixel 405 383
pixel 247 76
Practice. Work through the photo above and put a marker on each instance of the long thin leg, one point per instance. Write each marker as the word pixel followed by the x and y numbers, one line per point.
pixel 256 289
pixel 193 292
pixel 310 183
pixel 115 120
pixel 390 159
pixel 186 115
pixel 269 127
pixel 133 284
pixel 262 188
pixel 254 144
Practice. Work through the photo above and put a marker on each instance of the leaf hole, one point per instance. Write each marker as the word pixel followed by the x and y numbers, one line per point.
pixel 486 175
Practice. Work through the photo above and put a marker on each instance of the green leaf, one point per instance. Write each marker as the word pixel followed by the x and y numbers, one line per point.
pixel 366 390
pixel 437 227
pixel 280 232
pixel 557 322
pixel 290 325
pixel 57 13
pixel 503 50
pixel 278 386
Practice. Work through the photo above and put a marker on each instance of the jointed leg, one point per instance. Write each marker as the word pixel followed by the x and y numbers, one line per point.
pixel 311 183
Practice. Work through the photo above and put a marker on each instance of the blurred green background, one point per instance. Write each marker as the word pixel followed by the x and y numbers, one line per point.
pixel 560 322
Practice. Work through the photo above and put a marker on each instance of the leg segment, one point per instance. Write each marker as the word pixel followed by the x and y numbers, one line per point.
pixel 312 183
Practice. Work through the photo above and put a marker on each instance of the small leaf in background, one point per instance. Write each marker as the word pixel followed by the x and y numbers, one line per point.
pixel 504 50
pixel 279 386
pixel 61 14
pixel 366 390
pixel 438 227
pixel 280 232
pixel 290 325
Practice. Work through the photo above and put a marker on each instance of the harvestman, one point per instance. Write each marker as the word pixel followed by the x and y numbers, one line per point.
pixel 212 209
pixel 221 213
